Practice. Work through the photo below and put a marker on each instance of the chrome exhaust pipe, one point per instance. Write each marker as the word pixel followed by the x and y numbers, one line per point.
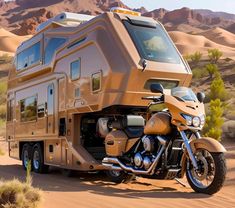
pixel 109 162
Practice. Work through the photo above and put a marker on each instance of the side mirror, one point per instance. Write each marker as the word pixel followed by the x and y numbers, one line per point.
pixel 201 97
pixel 156 88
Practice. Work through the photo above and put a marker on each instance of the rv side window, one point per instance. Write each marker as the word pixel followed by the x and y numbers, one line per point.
pixel 29 56
pixel 75 69
pixel 10 110
pixel 52 46
pixel 28 109
pixel 96 81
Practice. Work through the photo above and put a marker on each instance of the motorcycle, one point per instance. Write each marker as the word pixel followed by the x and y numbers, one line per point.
pixel 168 145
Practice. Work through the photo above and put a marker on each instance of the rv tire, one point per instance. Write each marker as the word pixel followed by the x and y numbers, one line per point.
pixel 38 160
pixel 26 155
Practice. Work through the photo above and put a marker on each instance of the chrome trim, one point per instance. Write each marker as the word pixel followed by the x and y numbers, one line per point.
pixel 110 162
pixel 189 150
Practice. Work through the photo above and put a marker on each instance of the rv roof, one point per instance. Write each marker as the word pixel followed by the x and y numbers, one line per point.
pixel 66 18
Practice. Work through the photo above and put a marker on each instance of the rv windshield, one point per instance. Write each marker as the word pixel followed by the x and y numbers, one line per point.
pixel 153 43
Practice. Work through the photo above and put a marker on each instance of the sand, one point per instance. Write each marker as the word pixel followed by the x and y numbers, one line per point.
pixel 9 41
pixel 188 44
pixel 95 191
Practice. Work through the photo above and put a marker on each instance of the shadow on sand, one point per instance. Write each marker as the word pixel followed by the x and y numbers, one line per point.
pixel 97 184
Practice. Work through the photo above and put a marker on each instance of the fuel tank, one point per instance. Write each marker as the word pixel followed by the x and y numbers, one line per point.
pixel 159 123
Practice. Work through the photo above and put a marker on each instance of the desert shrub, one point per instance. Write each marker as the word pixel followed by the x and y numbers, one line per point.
pixel 2 111
pixel 3 90
pixel 195 58
pixel 214 120
pixel 214 55
pixel 199 73
pixel 212 69
pixel 5 58
pixel 187 57
pixel 16 194
pixel 217 89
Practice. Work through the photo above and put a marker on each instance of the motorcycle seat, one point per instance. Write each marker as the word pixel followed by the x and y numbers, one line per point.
pixel 132 125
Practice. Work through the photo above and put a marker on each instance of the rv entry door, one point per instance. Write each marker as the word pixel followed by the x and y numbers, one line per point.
pixel 51 109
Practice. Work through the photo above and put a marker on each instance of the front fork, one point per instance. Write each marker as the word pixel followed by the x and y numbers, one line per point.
pixel 189 149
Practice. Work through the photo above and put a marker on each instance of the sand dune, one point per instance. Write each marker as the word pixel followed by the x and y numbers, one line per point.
pixel 188 44
pixel 220 36
pixel 9 41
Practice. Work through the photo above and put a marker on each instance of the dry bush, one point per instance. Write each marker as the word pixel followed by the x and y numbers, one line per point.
pixel 16 194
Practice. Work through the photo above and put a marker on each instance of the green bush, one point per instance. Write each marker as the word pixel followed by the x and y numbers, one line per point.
pixel 195 58
pixel 214 120
pixel 214 55
pixel 199 73
pixel 212 69
pixel 217 89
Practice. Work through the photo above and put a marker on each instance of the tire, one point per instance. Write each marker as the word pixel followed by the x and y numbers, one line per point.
pixel 38 160
pixel 116 176
pixel 219 176
pixel 26 155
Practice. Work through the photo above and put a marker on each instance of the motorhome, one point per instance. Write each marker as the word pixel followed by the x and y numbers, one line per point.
pixel 76 73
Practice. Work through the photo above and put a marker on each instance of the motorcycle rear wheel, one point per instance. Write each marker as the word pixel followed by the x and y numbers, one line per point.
pixel 116 176
pixel 212 169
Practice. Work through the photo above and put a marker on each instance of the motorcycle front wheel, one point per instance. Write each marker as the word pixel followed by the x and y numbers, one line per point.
pixel 210 176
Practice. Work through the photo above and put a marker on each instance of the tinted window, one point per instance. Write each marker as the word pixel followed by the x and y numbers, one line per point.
pixel 167 84
pixel 96 82
pixel 75 69
pixel 29 56
pixel 52 46
pixel 153 43
pixel 28 109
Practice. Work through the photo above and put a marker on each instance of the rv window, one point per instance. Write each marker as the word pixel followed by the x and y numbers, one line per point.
pixel 10 110
pixel 75 69
pixel 28 109
pixel 29 56
pixel 52 46
pixel 167 84
pixel 41 111
pixel 153 43
pixel 96 82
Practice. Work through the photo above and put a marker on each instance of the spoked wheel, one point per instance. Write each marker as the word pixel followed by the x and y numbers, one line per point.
pixel 210 176
pixel 38 160
pixel 117 176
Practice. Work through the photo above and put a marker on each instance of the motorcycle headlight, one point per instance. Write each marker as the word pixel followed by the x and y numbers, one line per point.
pixel 188 119
pixel 203 120
pixel 196 121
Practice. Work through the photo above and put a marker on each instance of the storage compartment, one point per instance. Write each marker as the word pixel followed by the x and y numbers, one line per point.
pixel 115 143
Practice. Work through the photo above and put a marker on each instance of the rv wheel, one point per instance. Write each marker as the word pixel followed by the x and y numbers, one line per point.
pixel 26 155
pixel 38 160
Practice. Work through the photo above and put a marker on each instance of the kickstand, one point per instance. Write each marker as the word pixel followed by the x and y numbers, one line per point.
pixel 180 182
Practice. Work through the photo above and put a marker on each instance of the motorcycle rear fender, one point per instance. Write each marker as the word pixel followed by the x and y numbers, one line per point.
pixel 207 143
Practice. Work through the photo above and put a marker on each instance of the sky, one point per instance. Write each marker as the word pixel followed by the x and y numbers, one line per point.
pixel 215 5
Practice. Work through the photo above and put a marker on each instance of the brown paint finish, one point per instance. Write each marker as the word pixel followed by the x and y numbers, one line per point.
pixel 107 48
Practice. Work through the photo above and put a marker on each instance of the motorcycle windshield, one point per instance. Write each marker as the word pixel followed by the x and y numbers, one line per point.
pixel 184 94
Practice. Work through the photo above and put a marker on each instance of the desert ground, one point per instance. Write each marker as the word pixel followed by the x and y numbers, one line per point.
pixel 95 191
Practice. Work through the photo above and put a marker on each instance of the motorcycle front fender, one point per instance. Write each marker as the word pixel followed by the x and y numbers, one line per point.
pixel 207 143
